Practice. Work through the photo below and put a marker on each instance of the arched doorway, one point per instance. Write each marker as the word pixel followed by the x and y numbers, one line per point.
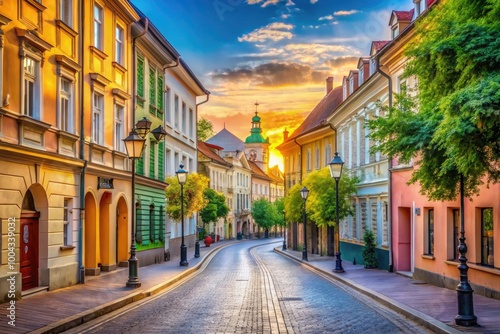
pixel 122 234
pixel 230 231
pixel 29 252
pixel 105 261
pixel 91 236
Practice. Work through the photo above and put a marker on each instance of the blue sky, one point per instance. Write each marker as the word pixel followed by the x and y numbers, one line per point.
pixel 276 52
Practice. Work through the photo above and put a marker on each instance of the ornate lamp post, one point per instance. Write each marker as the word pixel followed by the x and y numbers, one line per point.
pixel 336 171
pixel 182 177
pixel 284 230
pixel 304 192
pixel 134 144
pixel 465 316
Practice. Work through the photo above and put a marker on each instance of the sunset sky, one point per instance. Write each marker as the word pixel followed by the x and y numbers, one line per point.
pixel 276 52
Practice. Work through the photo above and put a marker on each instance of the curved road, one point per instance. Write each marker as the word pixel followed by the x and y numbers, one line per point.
pixel 247 288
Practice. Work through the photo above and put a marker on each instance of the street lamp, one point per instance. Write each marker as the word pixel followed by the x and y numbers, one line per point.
pixel 284 231
pixel 304 192
pixel 159 133
pixel 336 172
pixel 465 316
pixel 182 177
pixel 134 144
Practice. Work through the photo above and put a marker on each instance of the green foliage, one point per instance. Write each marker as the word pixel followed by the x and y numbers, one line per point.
pixel 215 208
pixel 193 191
pixel 450 126
pixel 369 257
pixel 264 213
pixel 205 129
pixel 321 201
pixel 279 205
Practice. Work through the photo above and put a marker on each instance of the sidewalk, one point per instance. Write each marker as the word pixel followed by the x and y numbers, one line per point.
pixel 432 307
pixel 55 311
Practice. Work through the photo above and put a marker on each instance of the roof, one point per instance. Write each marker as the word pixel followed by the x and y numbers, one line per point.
pixel 275 174
pixel 378 45
pixel 258 172
pixel 205 149
pixel 227 140
pixel 403 15
pixel 317 117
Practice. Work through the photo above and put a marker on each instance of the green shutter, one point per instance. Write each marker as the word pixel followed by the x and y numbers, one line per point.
pixel 140 76
pixel 152 86
pixel 139 168
pixel 161 158
pixel 151 162
pixel 159 103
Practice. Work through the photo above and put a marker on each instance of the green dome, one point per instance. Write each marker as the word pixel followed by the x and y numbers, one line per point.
pixel 256 119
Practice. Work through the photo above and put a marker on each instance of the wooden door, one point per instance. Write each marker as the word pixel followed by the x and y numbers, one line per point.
pixel 29 252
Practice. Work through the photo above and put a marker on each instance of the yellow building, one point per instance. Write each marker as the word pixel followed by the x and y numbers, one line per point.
pixel 68 79
pixel 311 147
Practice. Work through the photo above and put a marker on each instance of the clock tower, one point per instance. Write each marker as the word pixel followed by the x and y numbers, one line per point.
pixel 256 147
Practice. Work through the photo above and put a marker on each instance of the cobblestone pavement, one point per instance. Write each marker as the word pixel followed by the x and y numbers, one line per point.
pixel 247 289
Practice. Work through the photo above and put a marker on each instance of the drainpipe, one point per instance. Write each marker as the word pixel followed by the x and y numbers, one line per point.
pixel 389 212
pixel 81 276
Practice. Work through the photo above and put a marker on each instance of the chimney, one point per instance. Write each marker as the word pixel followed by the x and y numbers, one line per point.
pixel 285 135
pixel 329 84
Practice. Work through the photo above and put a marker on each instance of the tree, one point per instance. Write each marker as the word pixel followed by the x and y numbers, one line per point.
pixel 279 205
pixel 450 126
pixel 369 256
pixel 205 129
pixel 215 208
pixel 264 213
pixel 193 190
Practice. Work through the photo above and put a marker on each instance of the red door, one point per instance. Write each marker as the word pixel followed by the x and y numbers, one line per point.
pixel 29 250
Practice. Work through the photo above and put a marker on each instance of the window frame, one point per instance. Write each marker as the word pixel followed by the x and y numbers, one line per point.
pixel 118 127
pixel 487 240
pixel 98 26
pixel 66 12
pixel 67 221
pixel 31 95
pixel 429 232
pixel 119 44
pixel 97 129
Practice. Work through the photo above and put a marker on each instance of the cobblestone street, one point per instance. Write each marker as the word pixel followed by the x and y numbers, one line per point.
pixel 247 288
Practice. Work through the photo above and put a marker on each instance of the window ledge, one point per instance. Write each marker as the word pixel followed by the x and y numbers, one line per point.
pixel 428 256
pixel 63 248
pixel 487 269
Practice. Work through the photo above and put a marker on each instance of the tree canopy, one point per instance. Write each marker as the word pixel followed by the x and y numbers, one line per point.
pixel 264 213
pixel 205 129
pixel 215 208
pixel 450 126
pixel 321 201
pixel 193 191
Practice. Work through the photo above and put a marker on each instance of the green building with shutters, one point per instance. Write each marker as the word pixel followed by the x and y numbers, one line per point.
pixel 152 54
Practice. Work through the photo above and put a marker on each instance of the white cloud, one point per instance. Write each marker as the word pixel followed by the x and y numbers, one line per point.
pixel 265 2
pixel 327 17
pixel 275 31
pixel 346 12
pixel 314 1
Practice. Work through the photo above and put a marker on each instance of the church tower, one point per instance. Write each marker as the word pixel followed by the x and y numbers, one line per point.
pixel 256 147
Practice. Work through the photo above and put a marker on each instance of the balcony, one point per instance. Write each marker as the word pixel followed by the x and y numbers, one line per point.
pixel 230 190
pixel 374 172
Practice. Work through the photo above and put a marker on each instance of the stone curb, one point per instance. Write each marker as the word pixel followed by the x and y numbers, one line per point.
pixel 420 318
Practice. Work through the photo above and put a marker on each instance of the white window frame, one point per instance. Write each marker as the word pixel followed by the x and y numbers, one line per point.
pixel 68 222
pixel 176 112
pixel 119 44
pixel 66 12
pixel 168 107
pixel 119 122
pixel 184 117
pixel 66 105
pixel 98 126
pixel 191 123
pixel 98 26
pixel 31 75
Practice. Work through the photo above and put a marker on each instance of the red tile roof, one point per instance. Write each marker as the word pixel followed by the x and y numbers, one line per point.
pixel 258 172
pixel 404 15
pixel 378 45
pixel 319 114
pixel 209 153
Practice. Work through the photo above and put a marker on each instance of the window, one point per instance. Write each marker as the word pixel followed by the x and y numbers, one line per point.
pixel 152 223
pixel 119 45
pixel 395 31
pixel 98 26
pixel 97 119
pixel 328 153
pixel 168 107
pixel 361 75
pixel 318 157
pixel 176 112
pixel 66 12
pixel 456 231
pixel 183 117
pixel 67 223
pixel 155 92
pixel 31 88
pixel 66 105
pixel 351 85
pixel 429 233
pixel 119 112
pixel 487 237
pixel 308 159
pixel 140 81
pixel 191 123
